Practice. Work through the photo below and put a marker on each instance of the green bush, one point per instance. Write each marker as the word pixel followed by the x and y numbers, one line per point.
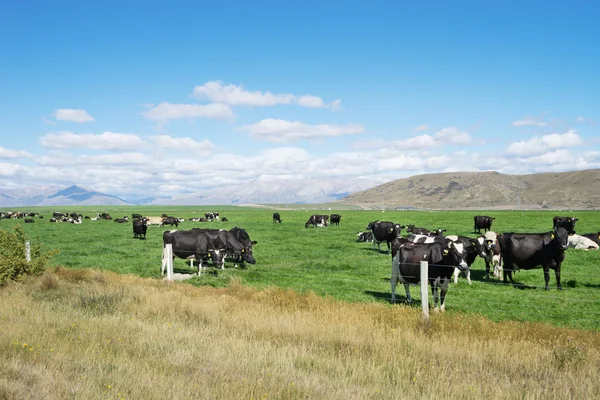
pixel 13 264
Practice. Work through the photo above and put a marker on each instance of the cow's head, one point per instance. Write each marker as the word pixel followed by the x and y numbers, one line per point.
pixel 247 254
pixel 455 253
pixel 560 237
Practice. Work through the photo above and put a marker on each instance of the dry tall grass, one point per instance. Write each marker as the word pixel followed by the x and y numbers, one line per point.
pixel 91 335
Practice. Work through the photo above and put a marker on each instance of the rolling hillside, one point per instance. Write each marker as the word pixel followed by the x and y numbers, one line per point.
pixel 485 190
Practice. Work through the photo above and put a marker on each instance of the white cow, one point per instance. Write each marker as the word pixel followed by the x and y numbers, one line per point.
pixel 582 243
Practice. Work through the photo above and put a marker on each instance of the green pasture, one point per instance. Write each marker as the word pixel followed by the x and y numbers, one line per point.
pixel 330 262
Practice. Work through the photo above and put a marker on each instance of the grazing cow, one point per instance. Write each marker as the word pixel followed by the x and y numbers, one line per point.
pixel 276 217
pixel 243 238
pixel 364 236
pixel 29 220
pixel 482 222
pixel 582 243
pixel 384 231
pixel 120 220
pixel 169 221
pixel 595 237
pixel 317 220
pixel 534 250
pixel 195 245
pixel 566 222
pixel 136 216
pixel 335 219
pixel 441 258
pixel 139 228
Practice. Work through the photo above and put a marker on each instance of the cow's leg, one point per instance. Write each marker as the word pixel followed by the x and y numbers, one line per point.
pixel 557 274
pixel 487 270
pixel 395 274
pixel 468 272
pixel 389 248
pixel 434 292
pixel 407 290
pixel 547 276
pixel 456 272
pixel 444 290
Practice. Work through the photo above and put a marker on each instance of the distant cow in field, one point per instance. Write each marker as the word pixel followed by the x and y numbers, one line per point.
pixel 534 250
pixel 139 228
pixel 136 216
pixel 595 237
pixel 276 217
pixel 566 222
pixel 29 220
pixel 366 236
pixel 482 222
pixel 335 219
pixel 120 220
pixel 169 221
pixel 582 243
pixel 317 220
pixel 384 231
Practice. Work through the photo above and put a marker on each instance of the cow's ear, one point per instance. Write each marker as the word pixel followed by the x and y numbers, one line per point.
pixel 473 243
pixel 391 230
pixel 445 252
pixel 552 236
pixel 243 250
pixel 254 242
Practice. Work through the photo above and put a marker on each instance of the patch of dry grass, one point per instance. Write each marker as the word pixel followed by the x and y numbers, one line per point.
pixel 90 334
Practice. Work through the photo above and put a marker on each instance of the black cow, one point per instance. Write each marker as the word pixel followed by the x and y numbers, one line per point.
pixel 441 258
pixel 139 228
pixel 534 250
pixel 482 222
pixel 224 219
pixel 364 236
pixel 104 216
pixel 136 216
pixel 566 222
pixel 384 231
pixel 276 217
pixel 120 220
pixel 595 237
pixel 245 253
pixel 170 221
pixel 417 231
pixel 317 220
pixel 196 245
pixel 335 219
pixel 29 220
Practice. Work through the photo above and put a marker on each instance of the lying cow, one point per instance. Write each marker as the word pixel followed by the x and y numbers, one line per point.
pixel 582 243
pixel 534 250
pixel 441 258
pixel 595 237
pixel 366 236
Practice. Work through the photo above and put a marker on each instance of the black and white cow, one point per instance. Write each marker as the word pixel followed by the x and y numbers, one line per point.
pixel 366 236
pixel 245 253
pixel 482 222
pixel 441 258
pixel 212 216
pixel 317 220
pixel 417 231
pixel 195 245
pixel 169 221
pixel 566 222
pixel 335 219
pixel 534 250
pixel 581 242
pixel 595 237
pixel 276 217
pixel 140 227
pixel 384 231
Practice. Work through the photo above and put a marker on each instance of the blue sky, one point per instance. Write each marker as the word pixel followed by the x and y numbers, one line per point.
pixel 166 98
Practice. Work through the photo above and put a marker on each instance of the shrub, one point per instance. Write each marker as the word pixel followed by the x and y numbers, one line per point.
pixel 13 264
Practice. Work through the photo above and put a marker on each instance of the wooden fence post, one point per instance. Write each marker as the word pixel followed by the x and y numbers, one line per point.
pixel 169 260
pixel 424 288
pixel 28 251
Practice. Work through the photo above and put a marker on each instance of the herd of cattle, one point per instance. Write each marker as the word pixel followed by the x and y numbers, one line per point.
pixel 447 255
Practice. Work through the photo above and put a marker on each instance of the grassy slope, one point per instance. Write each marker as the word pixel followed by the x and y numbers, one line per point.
pixel 329 262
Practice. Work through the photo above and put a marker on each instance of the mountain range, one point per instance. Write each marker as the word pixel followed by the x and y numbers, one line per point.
pixel 453 190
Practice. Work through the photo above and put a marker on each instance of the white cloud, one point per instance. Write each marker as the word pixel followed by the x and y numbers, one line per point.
pixel 69 114
pixel 11 170
pixel 233 95
pixel 586 121
pixel 539 145
pixel 278 130
pixel 166 111
pixel 120 159
pixel 103 141
pixel 453 136
pixel 529 121
pixel 183 144
pixel 421 128
pixel 6 153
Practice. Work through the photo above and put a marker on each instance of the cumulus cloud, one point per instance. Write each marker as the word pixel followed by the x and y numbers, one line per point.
pixel 529 121
pixel 278 130
pixel 103 141
pixel 183 144
pixel 69 114
pixel 6 153
pixel 453 136
pixel 539 145
pixel 446 136
pixel 233 95
pixel 12 170
pixel 166 111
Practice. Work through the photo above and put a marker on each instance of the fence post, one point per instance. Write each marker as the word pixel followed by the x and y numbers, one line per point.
pixel 28 251
pixel 424 288
pixel 169 260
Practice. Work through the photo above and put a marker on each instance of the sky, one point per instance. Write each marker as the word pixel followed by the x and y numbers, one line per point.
pixel 164 98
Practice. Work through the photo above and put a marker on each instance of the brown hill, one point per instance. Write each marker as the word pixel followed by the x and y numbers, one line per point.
pixel 486 190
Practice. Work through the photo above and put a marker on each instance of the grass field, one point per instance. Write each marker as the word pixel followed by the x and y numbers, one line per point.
pixel 329 262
